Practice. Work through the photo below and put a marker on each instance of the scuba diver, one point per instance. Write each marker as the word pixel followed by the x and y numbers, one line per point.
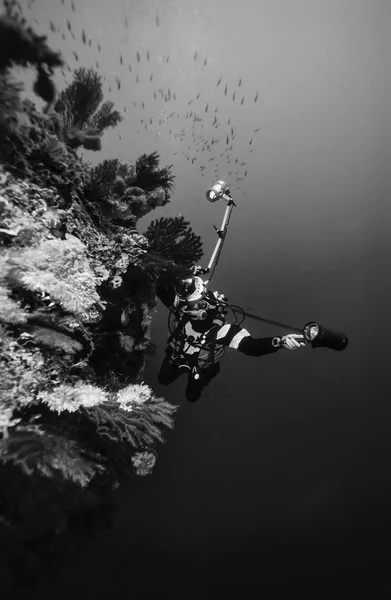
pixel 201 333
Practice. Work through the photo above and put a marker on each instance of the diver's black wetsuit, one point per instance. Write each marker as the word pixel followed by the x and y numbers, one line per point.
pixel 230 335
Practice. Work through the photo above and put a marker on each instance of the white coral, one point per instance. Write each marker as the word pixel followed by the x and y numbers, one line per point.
pixel 143 462
pixel 133 394
pixel 65 397
pixel 7 420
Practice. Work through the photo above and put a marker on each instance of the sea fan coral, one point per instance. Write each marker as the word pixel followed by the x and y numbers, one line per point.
pixel 173 239
pixel 83 122
pixel 49 454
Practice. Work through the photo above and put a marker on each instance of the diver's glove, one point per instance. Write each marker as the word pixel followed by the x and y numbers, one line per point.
pixel 292 341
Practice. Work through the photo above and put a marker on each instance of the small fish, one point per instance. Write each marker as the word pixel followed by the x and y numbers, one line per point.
pixel 98 47
pixel 225 91
pixel 242 101
pixel 150 121
pixel 240 82
pixel 233 96
pixel 69 25
pixel 256 97
pixel 232 130
pixel 250 142
pixel 143 105
pixel 150 77
pixel 97 64
pixel 125 317
pixel 167 59
pixel 83 37
pixel 219 81
pixel 121 60
pixel 206 107
pixel 90 42
pixel 138 56
pixel 75 55
pixel 52 27
pixel 195 55
pixel 63 36
pixel 245 173
pixel 73 6
pixel 110 88
pixel 137 79
pixel 157 20
pixel 205 61
pixel 227 140
pixel 148 55
pixel 130 68
pixel 255 130
pixel 117 79
pixel 198 95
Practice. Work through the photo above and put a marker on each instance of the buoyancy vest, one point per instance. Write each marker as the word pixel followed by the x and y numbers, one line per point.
pixel 193 342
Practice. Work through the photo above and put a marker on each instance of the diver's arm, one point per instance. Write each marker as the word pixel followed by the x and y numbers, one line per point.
pixel 257 346
pixel 238 338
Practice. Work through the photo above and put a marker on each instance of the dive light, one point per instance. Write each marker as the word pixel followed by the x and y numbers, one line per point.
pixel 321 337
pixel 219 189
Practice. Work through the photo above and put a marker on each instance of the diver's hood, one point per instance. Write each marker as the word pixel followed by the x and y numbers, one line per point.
pixel 192 291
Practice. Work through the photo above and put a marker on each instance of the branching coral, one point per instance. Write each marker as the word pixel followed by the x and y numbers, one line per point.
pixel 119 185
pixel 149 177
pixel 133 419
pixel 83 121
pixel 173 239
pixel 36 451
pixel 133 416
pixel 101 180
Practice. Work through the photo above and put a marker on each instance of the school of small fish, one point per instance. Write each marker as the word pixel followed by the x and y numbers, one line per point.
pixel 201 143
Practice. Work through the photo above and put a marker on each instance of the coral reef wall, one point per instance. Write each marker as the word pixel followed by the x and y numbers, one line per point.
pixel 77 294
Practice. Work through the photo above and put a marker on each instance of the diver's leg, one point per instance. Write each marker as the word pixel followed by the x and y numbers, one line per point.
pixel 195 387
pixel 168 372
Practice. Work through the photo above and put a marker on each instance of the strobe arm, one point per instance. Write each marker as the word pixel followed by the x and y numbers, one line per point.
pixel 222 232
